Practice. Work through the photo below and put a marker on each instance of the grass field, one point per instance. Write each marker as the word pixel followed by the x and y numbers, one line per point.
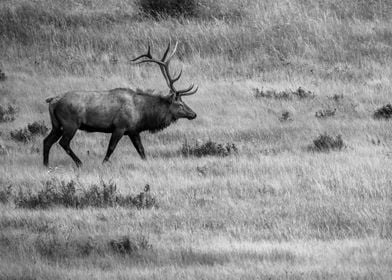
pixel 276 209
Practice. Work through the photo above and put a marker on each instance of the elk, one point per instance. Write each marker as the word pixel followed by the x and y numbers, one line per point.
pixel 119 111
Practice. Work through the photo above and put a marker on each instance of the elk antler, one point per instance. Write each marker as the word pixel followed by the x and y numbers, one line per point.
pixel 164 66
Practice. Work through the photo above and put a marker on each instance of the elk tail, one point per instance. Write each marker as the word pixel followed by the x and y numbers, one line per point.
pixel 53 118
pixel 48 100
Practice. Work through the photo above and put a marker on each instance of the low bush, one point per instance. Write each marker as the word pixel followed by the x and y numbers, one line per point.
pixel 125 245
pixel 201 9
pixel 66 194
pixel 37 128
pixel 3 77
pixel 325 113
pixel 385 112
pixel 28 133
pixel 168 8
pixel 5 193
pixel 209 148
pixel 60 245
pixel 21 135
pixel 326 143
pixel 300 93
pixel 286 116
pixel 336 97
pixel 3 148
pixel 7 114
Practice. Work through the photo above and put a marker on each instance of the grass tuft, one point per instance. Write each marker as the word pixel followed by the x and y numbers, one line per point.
pixel 325 113
pixel 286 116
pixel 125 245
pixel 3 77
pixel 21 135
pixel 28 133
pixel 326 143
pixel 385 112
pixel 7 114
pixel 209 148
pixel 300 93
pixel 37 128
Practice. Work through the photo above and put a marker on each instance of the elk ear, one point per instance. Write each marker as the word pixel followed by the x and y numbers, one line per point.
pixel 170 97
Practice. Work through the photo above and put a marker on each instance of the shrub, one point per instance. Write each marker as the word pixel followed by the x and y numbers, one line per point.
pixel 38 128
pixel 3 148
pixel 28 133
pixel 125 245
pixel 385 112
pixel 5 193
pixel 21 135
pixel 7 114
pixel 144 199
pixel 210 148
pixel 286 116
pixel 66 194
pixel 325 113
pixel 2 76
pixel 336 97
pixel 168 8
pixel 284 95
pixel 99 196
pixel 326 143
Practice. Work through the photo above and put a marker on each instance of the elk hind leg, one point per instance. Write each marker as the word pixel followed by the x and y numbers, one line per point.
pixel 52 138
pixel 68 134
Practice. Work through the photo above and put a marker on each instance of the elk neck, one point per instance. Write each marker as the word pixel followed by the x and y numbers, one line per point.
pixel 156 114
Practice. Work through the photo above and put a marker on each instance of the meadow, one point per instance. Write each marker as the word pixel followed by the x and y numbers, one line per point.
pixel 277 208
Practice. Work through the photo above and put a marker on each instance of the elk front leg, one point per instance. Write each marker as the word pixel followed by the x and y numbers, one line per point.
pixel 116 136
pixel 138 145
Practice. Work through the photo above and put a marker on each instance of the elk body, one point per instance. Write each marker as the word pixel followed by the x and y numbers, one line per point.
pixel 119 111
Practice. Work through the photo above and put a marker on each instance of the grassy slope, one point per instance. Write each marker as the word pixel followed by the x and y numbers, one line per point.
pixel 275 210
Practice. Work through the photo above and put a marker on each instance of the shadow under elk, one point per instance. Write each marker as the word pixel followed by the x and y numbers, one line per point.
pixel 120 111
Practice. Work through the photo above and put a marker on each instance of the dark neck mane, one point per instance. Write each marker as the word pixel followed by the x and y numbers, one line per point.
pixel 155 113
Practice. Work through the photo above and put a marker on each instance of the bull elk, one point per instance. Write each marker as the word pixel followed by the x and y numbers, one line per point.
pixel 120 111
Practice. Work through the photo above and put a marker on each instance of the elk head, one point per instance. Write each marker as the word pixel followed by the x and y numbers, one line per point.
pixel 177 107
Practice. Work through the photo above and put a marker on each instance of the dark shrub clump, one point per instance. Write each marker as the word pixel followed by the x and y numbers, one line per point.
pixel 5 193
pixel 37 128
pixel 125 245
pixel 336 97
pixel 326 143
pixel 28 133
pixel 66 194
pixel 325 113
pixel 168 8
pixel 7 114
pixel 300 93
pixel 385 112
pixel 2 76
pixel 21 135
pixel 210 148
pixel 286 116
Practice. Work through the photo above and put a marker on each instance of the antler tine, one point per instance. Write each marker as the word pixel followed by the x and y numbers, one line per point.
pixel 178 77
pixel 164 67
pixel 166 52
pixel 173 53
pixel 151 60
pixel 189 93
pixel 148 54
